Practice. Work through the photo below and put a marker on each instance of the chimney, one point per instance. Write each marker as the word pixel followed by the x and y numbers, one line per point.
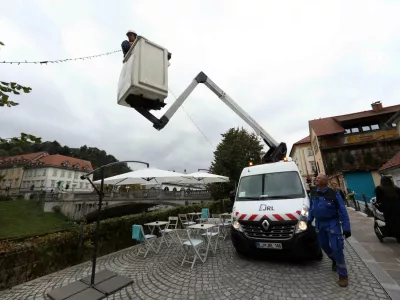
pixel 377 106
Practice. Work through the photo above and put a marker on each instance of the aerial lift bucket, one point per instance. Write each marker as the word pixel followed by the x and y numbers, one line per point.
pixel 143 82
pixel 143 85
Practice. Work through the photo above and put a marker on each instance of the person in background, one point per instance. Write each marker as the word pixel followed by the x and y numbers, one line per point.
pixel 232 196
pixel 339 190
pixel 126 45
pixel 388 200
pixel 331 217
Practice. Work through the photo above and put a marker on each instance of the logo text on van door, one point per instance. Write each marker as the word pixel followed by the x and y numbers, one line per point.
pixel 264 207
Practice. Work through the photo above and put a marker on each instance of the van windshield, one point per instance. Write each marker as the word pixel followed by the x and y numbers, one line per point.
pixel 282 185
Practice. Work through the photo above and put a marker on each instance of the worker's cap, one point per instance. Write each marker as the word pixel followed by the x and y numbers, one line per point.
pixel 131 31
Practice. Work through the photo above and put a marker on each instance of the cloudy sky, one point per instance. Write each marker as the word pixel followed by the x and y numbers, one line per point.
pixel 284 62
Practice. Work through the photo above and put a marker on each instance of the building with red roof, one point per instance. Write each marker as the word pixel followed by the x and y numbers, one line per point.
pixel 352 148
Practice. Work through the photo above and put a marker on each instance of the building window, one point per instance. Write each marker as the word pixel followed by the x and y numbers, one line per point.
pixel 42 183
pixel 44 172
pixel 313 168
pixel 375 127
pixel 54 172
pixel 81 185
pixel 310 153
pixel 366 128
pixel 62 173
pixel 76 175
pixel 69 174
pixel 355 130
pixel 87 185
pixel 53 183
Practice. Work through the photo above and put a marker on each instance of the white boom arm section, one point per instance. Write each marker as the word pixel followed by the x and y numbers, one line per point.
pixel 276 152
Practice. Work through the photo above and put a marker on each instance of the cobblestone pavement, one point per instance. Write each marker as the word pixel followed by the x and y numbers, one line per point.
pixel 224 275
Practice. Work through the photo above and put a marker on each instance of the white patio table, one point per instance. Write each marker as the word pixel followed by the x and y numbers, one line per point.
pixel 208 235
pixel 159 225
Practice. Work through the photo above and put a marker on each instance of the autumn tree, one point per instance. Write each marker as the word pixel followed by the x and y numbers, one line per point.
pixel 237 148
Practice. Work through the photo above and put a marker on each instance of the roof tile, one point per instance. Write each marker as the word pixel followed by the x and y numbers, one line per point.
pixel 57 160
pixel 331 125
pixel 393 162
pixel 305 140
pixel 29 156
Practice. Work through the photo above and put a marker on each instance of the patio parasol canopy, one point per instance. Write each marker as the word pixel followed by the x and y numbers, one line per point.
pixel 203 178
pixel 144 176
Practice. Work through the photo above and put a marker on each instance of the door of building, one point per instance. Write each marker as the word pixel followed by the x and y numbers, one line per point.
pixel 360 183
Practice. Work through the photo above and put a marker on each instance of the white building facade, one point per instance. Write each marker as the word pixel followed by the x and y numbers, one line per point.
pixel 57 173
pixel 302 154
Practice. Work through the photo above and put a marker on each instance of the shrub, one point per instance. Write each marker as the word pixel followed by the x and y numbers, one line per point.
pixel 5 198
pixel 57 209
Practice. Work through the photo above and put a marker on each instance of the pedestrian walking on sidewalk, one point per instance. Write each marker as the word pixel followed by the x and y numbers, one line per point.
pixel 329 211
pixel 388 200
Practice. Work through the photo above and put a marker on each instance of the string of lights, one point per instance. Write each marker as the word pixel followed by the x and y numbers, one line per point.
pixel 45 62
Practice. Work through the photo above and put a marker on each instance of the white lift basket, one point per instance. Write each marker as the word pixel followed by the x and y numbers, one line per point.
pixel 143 83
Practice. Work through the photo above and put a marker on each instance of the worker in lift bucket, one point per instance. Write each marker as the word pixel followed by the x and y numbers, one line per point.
pixel 126 45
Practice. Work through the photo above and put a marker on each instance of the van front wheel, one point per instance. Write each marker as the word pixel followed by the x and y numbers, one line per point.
pixel 319 255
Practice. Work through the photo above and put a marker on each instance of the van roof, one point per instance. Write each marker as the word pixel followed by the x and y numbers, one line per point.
pixel 282 166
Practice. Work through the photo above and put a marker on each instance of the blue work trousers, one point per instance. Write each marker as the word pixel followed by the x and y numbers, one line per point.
pixel 332 242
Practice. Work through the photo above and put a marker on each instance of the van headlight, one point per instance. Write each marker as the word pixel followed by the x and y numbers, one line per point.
pixel 302 224
pixel 304 212
pixel 236 225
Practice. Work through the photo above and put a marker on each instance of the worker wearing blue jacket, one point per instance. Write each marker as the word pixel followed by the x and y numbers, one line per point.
pixel 126 45
pixel 328 209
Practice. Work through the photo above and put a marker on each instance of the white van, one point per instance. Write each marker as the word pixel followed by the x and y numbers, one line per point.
pixel 270 212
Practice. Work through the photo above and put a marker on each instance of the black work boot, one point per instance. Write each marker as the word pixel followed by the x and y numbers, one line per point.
pixel 343 281
pixel 334 266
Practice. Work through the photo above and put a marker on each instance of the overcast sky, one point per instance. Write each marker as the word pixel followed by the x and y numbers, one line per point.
pixel 284 62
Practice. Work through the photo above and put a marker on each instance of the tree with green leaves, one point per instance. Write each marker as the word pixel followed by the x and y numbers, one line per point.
pixel 8 88
pixel 15 143
pixel 236 150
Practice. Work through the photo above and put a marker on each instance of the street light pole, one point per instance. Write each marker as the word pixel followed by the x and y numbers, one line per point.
pixel 110 282
pixel 100 193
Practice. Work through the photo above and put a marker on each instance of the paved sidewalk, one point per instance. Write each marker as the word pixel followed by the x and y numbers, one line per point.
pixel 223 276
pixel 383 259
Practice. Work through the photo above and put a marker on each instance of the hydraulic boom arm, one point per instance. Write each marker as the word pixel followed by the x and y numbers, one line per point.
pixel 276 151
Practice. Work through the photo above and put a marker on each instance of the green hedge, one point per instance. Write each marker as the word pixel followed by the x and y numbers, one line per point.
pixel 35 257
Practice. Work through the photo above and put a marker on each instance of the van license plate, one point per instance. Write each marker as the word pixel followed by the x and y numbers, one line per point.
pixel 269 245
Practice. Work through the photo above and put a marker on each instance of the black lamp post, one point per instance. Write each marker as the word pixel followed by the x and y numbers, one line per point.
pixel 104 283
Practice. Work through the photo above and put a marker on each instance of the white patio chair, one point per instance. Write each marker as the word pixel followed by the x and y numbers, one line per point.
pixel 184 220
pixel 205 215
pixel 146 241
pixel 192 247
pixel 170 228
pixel 212 234
pixel 225 224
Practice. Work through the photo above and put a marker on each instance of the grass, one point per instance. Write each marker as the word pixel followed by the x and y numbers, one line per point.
pixel 20 218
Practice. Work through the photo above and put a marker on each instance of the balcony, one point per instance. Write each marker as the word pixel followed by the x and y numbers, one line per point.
pixel 363 159
pixel 358 138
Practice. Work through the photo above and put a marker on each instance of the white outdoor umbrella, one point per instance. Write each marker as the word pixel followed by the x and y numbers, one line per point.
pixel 150 175
pixel 203 178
